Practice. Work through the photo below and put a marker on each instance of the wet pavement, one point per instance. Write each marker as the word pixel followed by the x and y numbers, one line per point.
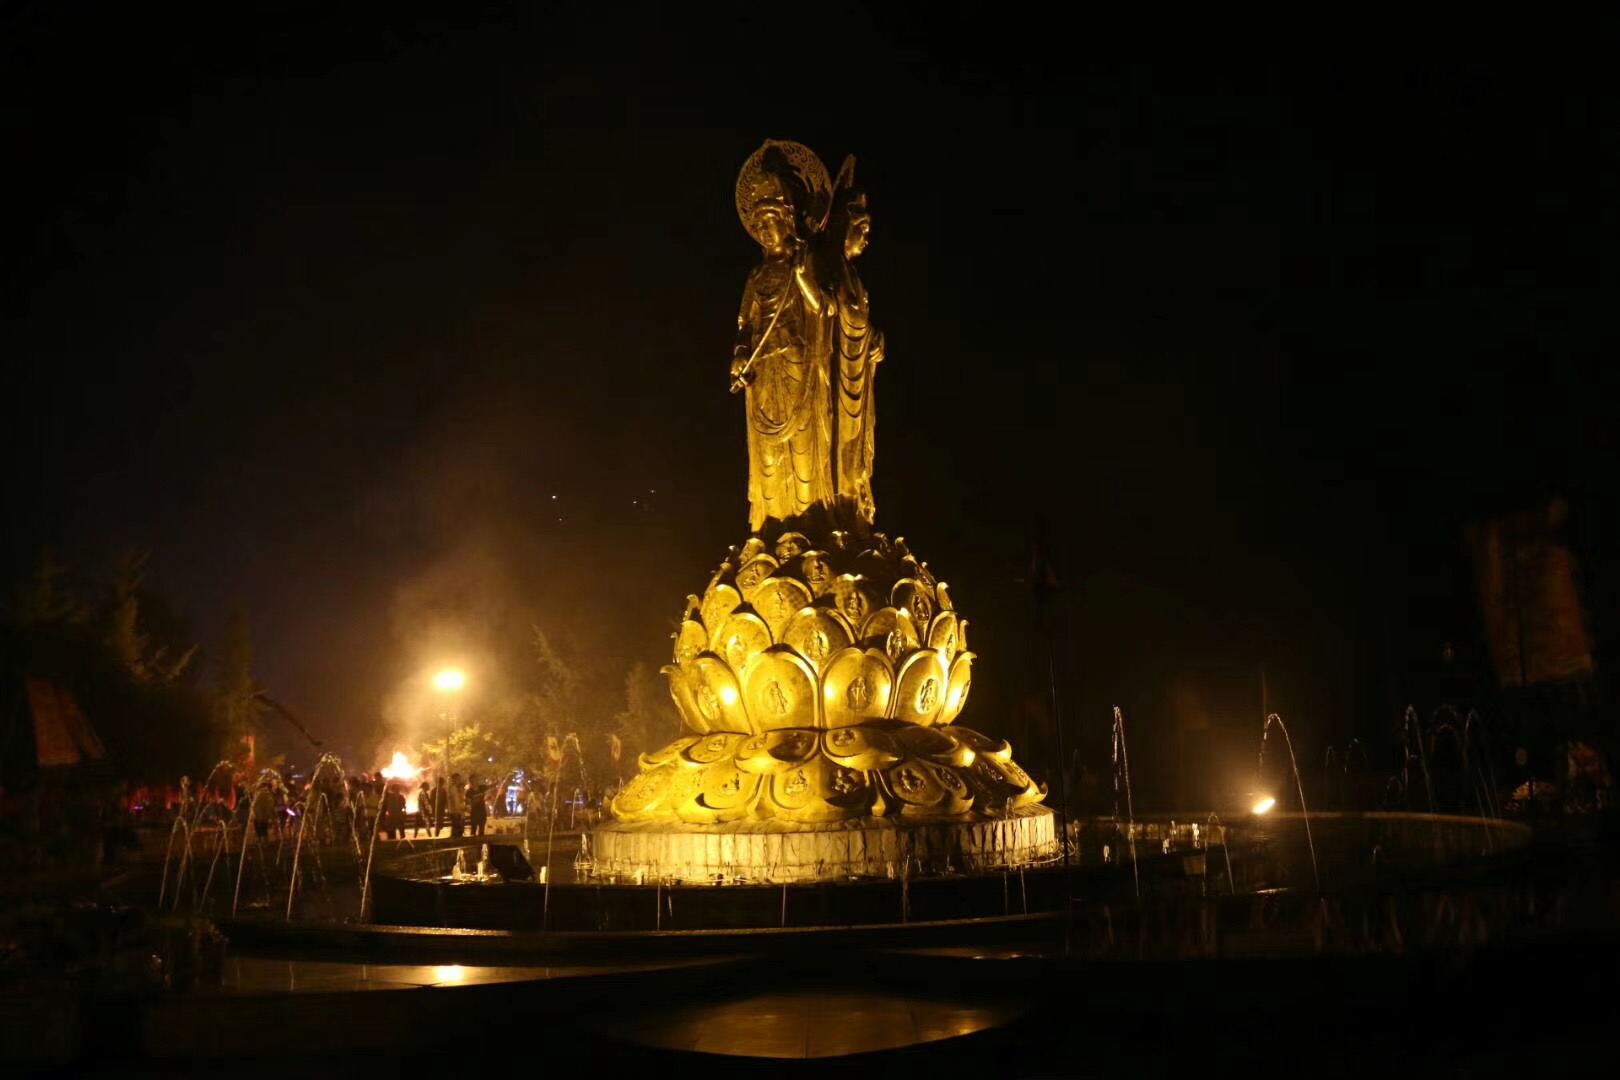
pixel 808 1023
pixel 274 975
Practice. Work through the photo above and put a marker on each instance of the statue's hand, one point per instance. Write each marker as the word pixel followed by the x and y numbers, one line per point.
pixel 878 352
pixel 741 376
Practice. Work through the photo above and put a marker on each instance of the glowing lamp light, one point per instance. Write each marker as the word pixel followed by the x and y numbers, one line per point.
pixel 728 695
pixel 450 973
pixel 1263 805
pixel 449 681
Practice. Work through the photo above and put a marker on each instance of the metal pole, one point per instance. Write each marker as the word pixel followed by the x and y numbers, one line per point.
pixel 551 830
pixel 1045 603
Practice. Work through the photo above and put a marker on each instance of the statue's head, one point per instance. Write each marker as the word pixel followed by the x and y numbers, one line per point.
pixel 857 224
pixel 770 212
pixel 782 194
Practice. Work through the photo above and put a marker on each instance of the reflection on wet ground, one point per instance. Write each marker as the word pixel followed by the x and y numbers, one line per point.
pixel 809 1023
pixel 984 951
pixel 271 975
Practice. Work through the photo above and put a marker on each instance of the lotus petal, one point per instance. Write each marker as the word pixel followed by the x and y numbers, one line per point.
pixel 683 687
pixel 958 795
pixel 920 690
pixel 754 574
pixel 685 787
pixel 780 688
pixel 943 595
pixel 1002 785
pixel 938 745
pixel 983 745
pixel 666 754
pixel 728 791
pixel 778 600
pixel 690 640
pixel 776 751
pixel 719 602
pixel 916 785
pixel 944 635
pixel 743 636
pixel 856 687
pixel 791 545
pixel 892 631
pixel 853 596
pixel 645 795
pixel 688 803
pixel 956 689
pixel 852 789
pixel 816 634
pixel 720 746
pixel 911 596
pixel 860 747
pixel 817 791
pixel 718 695
pixel 817 570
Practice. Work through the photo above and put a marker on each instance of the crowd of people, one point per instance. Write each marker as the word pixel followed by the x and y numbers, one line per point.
pixel 454 807
pixel 334 808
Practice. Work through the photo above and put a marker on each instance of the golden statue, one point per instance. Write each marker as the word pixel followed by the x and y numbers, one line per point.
pixel 859 349
pixel 820 674
pixel 806 349
pixel 783 341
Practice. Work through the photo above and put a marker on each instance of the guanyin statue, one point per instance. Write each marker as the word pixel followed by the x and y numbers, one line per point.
pixel 820 673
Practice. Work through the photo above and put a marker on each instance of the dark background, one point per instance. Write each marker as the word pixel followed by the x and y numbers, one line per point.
pixel 405 332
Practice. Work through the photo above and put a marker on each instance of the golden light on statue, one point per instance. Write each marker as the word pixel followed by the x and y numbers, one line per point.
pixel 1263 805
pixel 449 681
pixel 820 674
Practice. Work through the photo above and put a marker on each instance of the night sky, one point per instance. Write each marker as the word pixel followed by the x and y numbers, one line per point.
pixel 404 335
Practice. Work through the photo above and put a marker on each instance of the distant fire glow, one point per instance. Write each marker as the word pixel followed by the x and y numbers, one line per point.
pixel 1264 804
pixel 400 768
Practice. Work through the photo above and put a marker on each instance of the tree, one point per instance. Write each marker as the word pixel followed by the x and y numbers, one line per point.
pixel 474 751
pixel 236 697
pixel 153 725
pixel 123 637
pixel 131 647
pixel 47 600
pixel 551 703
pixel 649 718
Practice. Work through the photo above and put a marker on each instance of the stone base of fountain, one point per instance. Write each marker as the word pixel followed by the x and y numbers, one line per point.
pixel 775 851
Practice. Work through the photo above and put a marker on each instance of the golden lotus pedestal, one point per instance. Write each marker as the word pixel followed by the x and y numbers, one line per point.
pixel 819 685
pixel 777 851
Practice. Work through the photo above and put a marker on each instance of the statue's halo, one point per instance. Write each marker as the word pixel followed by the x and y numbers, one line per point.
pixel 811 175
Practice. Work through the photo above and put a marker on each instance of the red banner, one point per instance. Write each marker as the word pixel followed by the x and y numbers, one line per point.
pixel 1529 598
pixel 62 735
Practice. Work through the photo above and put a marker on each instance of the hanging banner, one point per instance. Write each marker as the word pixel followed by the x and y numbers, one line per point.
pixel 1529 598
pixel 62 735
